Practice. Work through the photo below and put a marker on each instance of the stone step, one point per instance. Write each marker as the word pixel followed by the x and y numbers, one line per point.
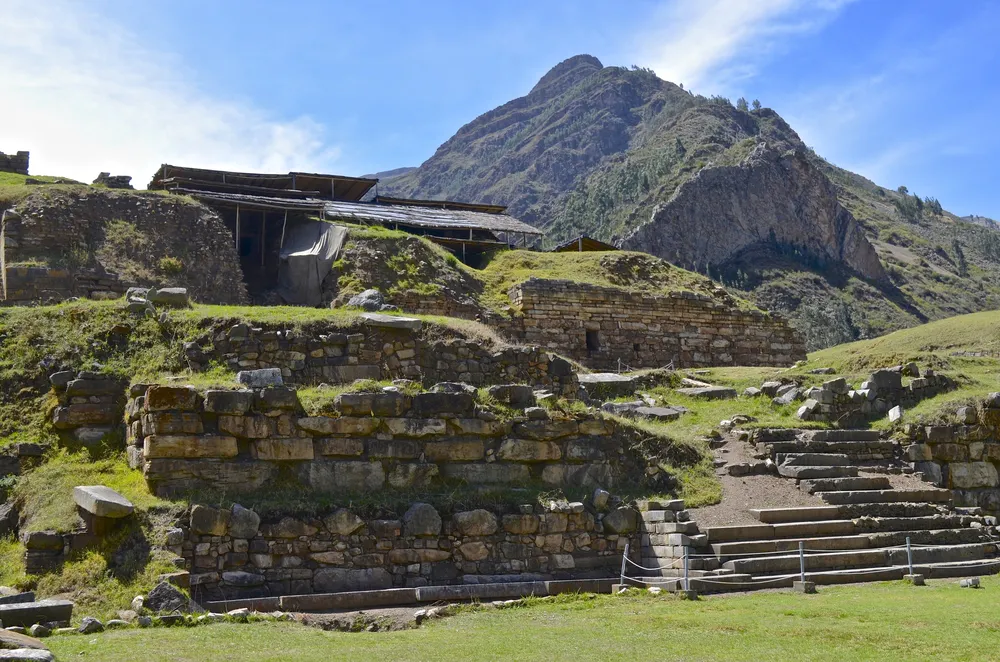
pixel 895 524
pixel 839 527
pixel 830 543
pixel 928 495
pixel 850 483
pixel 957 568
pixel 926 537
pixel 853 449
pixel 797 514
pixel 718 534
pixel 804 472
pixel 904 509
pixel 842 435
pixel 814 459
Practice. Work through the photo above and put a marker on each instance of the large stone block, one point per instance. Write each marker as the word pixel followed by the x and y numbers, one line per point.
pixel 276 399
pixel 521 524
pixel 478 473
pixel 454 451
pixel 343 522
pixel 477 522
pixel 335 446
pixel 289 527
pixel 235 403
pixel 479 427
pixel 163 398
pixel 325 425
pixel 209 521
pixel 399 449
pixel 416 474
pixel 416 427
pixel 254 426
pixel 102 501
pixel 243 522
pixel 172 476
pixel 546 430
pixel 421 519
pixel 88 387
pixel 189 446
pixel 283 449
pixel 621 520
pixel 372 404
pixel 169 422
pixel 524 450
pixel 84 415
pixel 951 452
pixel 336 580
pixel 437 404
pixel 966 475
pixel 339 476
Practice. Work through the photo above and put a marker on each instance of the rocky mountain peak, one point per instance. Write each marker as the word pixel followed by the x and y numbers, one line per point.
pixel 566 74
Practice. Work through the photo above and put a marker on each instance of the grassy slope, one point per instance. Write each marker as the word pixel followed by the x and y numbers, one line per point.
pixel 394 261
pixel 873 622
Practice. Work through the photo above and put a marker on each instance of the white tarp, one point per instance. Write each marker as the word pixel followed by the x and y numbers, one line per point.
pixel 309 251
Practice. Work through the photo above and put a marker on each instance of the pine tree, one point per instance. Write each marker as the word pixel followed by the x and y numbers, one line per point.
pixel 741 104
pixel 756 105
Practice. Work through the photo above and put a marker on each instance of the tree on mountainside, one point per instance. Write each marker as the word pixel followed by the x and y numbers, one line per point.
pixel 963 266
pixel 741 104
pixel 903 190
pixel 934 206
pixel 756 105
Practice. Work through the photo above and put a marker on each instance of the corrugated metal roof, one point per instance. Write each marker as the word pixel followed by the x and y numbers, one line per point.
pixel 426 217
pixel 374 212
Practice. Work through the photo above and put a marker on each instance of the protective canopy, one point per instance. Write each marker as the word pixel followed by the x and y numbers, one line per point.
pixel 305 260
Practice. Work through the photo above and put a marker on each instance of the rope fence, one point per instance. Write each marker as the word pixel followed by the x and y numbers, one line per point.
pixel 802 553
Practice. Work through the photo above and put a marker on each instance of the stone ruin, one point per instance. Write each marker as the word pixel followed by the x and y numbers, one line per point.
pixel 117 181
pixel 16 163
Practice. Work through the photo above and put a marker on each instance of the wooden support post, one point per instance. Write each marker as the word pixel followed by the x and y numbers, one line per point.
pixel 463 253
pixel 579 244
pixel 263 234
pixel 284 224
pixel 237 230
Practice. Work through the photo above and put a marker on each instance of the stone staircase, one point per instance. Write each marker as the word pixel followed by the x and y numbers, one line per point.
pixel 859 534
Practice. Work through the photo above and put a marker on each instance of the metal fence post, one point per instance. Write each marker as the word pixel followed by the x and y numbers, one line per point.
pixel 802 561
pixel 909 555
pixel 624 557
pixel 687 585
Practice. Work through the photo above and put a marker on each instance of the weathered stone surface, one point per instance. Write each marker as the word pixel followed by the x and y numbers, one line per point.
pixel 190 446
pixel 88 387
pixel 479 427
pixel 475 522
pixel 454 451
pixel 965 475
pixel 235 403
pixel 346 476
pixel 166 597
pixel 289 527
pixel 262 378
pixel 421 519
pixel 478 473
pixel 546 430
pixel 254 426
pixel 277 399
pixel 392 321
pixel 43 540
pixel 279 450
pixel 400 449
pixel 429 405
pixel 83 414
pixel 416 427
pixel 343 522
pixel 102 501
pixel 172 297
pixel 515 395
pixel 709 392
pixel 474 551
pixel 524 450
pixel 243 522
pixel 209 521
pixel 520 524
pixel 325 425
pixel 335 580
pixel 25 614
pixel 412 474
pixel 339 447
pixel 168 422
pixel 621 520
pixel 163 398
pixel 370 300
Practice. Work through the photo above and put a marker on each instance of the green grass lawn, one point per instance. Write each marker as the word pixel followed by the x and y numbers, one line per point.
pixel 888 621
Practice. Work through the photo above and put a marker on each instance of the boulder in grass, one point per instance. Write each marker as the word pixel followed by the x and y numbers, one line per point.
pixel 102 501
pixel 370 300
pixel 261 378
pixel 171 297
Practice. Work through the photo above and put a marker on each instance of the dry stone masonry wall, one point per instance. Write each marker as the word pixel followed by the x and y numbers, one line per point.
pixel 963 455
pixel 371 351
pixel 610 328
pixel 17 163
pixel 185 439
pixel 231 554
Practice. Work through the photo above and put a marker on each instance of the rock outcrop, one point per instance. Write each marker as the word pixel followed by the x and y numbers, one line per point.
pixel 770 198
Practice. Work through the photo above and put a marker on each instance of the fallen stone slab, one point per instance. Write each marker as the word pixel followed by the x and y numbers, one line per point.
pixel 349 600
pixel 26 614
pixel 18 640
pixel 392 321
pixel 102 501
pixel 607 385
pixel 709 392
pixel 18 598
pixel 34 654
pixel 175 297
pixel 658 413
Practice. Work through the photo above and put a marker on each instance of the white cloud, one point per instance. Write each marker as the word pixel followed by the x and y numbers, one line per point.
pixel 708 45
pixel 84 96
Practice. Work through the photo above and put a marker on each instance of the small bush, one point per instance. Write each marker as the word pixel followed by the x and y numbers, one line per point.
pixel 170 266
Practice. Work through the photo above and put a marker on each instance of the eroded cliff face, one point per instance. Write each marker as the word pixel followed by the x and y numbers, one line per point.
pixel 770 198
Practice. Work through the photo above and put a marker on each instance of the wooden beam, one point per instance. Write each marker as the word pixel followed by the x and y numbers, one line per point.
pixel 283 225
pixel 237 231
pixel 263 235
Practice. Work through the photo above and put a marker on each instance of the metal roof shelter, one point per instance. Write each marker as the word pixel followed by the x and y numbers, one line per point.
pixel 291 185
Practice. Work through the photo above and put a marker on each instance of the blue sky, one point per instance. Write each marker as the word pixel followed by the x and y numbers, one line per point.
pixel 904 92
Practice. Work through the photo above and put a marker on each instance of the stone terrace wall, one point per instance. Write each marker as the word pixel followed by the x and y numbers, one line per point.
pixel 963 456
pixel 238 440
pixel 44 284
pixel 368 351
pixel 14 162
pixel 232 555
pixel 643 331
